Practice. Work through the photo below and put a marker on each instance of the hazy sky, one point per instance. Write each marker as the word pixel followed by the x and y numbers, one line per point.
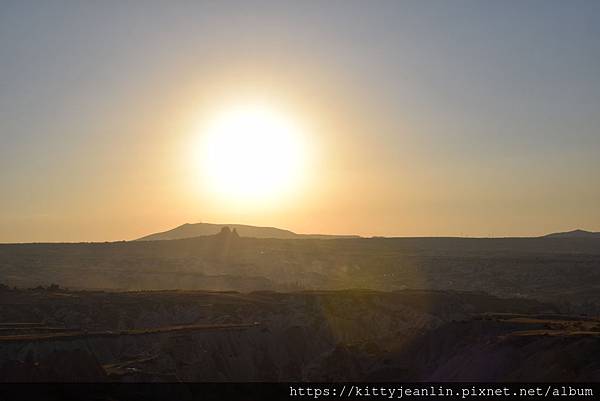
pixel 470 118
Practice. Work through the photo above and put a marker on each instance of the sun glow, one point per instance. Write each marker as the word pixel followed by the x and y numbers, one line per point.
pixel 252 153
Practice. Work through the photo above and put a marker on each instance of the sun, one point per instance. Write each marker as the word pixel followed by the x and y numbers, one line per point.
pixel 252 152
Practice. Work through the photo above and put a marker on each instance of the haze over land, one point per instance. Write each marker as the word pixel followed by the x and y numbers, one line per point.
pixel 545 268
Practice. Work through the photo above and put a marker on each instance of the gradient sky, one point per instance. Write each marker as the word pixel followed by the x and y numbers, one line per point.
pixel 471 118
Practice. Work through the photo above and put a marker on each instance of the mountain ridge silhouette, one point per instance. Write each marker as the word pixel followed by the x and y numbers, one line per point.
pixel 578 233
pixel 190 230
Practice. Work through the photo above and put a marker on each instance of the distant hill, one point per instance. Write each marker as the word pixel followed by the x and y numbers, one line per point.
pixel 574 234
pixel 204 229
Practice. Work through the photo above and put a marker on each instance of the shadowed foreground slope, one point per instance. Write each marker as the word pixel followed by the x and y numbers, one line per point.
pixel 266 336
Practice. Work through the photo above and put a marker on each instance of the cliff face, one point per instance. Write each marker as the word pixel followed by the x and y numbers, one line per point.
pixel 212 336
pixel 529 349
pixel 267 336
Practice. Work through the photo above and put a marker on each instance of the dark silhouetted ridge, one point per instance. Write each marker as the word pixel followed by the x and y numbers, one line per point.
pixel 206 229
pixel 574 234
